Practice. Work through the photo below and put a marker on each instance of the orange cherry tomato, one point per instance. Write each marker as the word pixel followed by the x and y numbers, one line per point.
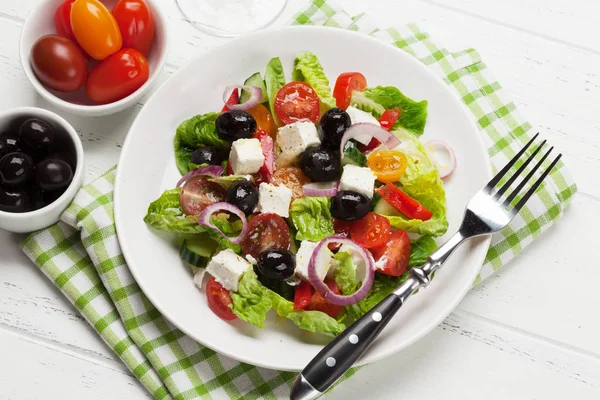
pixel 387 165
pixel 136 24
pixel 264 119
pixel 291 177
pixel 117 77
pixel 95 29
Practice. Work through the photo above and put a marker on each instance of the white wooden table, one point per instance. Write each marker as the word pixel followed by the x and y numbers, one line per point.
pixel 531 332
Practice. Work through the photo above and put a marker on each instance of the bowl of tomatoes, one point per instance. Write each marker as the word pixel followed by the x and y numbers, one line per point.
pixel 94 57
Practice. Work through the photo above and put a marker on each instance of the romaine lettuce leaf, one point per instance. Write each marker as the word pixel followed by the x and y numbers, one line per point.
pixel 274 80
pixel 420 250
pixel 307 68
pixel 166 215
pixel 252 301
pixel 345 273
pixel 312 218
pixel 383 285
pixel 362 102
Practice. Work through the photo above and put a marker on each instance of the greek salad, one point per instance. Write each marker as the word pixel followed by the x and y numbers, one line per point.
pixel 310 202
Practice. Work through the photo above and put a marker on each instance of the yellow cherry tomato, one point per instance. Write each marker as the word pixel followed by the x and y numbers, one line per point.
pixel 95 29
pixel 264 120
pixel 387 165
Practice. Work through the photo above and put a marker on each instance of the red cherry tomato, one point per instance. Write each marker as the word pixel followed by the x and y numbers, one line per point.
pixel 233 99
pixel 219 300
pixel 318 302
pixel 302 295
pixel 297 101
pixel 136 24
pixel 345 84
pixel 62 20
pixel 392 258
pixel 95 28
pixel 389 118
pixel 198 193
pixel 371 231
pixel 403 202
pixel 59 63
pixel 117 77
pixel 266 231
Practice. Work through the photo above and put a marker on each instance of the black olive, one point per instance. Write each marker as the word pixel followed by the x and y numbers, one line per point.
pixel 350 206
pixel 36 136
pixel 15 169
pixel 8 144
pixel 53 174
pixel 235 124
pixel 281 287
pixel 276 264
pixel 244 196
pixel 320 164
pixel 15 201
pixel 333 125
pixel 206 155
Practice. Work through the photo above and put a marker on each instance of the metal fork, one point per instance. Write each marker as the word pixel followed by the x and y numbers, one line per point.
pixel 487 212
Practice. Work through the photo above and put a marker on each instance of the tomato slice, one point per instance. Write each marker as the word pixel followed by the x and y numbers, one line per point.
pixel 392 257
pixel 219 300
pixel 302 295
pixel 234 98
pixel 318 302
pixel 266 231
pixel 345 84
pixel 95 28
pixel 291 177
pixel 136 23
pixel 389 118
pixel 297 101
pixel 403 202
pixel 265 173
pixel 198 193
pixel 371 231
pixel 62 20
pixel 264 119
pixel 387 165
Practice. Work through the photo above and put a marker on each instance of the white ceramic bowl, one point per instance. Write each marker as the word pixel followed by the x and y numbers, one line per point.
pixel 40 22
pixel 35 220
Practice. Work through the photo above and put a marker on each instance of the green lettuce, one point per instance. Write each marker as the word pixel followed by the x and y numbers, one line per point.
pixel 307 68
pixel 312 218
pixel 352 155
pixel 274 80
pixel 362 102
pixel 420 250
pixel 166 215
pixel 344 273
pixel 231 229
pixel 193 133
pixel 383 285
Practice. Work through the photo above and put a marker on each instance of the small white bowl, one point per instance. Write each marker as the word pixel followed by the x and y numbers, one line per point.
pixel 40 22
pixel 38 219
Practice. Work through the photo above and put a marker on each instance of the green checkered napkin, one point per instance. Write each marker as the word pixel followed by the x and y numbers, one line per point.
pixel 82 257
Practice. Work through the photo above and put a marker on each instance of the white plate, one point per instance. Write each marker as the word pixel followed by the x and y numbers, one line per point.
pixel 147 167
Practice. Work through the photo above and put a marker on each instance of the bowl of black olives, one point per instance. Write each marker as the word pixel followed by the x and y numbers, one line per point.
pixel 41 168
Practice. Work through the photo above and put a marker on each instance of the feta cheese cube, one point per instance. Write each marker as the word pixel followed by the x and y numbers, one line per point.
pixel 303 258
pixel 358 116
pixel 358 179
pixel 274 199
pixel 293 139
pixel 246 156
pixel 227 268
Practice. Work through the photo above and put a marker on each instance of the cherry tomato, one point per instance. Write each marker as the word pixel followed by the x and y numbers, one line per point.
pixel 198 193
pixel 233 99
pixel 392 258
pixel 371 231
pixel 62 20
pixel 345 84
pixel 387 165
pixel 219 300
pixel 136 24
pixel 389 118
pixel 318 303
pixel 403 202
pixel 117 77
pixel 302 295
pixel 341 228
pixel 297 101
pixel 95 28
pixel 266 231
pixel 291 177
pixel 264 119
pixel 59 63
pixel 265 173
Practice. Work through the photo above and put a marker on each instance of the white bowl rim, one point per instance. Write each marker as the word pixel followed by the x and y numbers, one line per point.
pixel 99 109
pixel 79 165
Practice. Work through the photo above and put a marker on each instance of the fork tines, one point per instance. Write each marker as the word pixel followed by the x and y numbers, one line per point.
pixel 500 192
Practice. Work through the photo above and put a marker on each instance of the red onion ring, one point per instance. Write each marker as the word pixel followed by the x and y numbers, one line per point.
pixel 324 290
pixel 204 219
pixel 320 189
pixel 445 170
pixel 253 101
pixel 213 171
pixel 364 128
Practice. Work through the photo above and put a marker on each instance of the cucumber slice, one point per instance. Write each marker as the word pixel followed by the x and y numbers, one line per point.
pixel 254 80
pixel 384 208
pixel 198 250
